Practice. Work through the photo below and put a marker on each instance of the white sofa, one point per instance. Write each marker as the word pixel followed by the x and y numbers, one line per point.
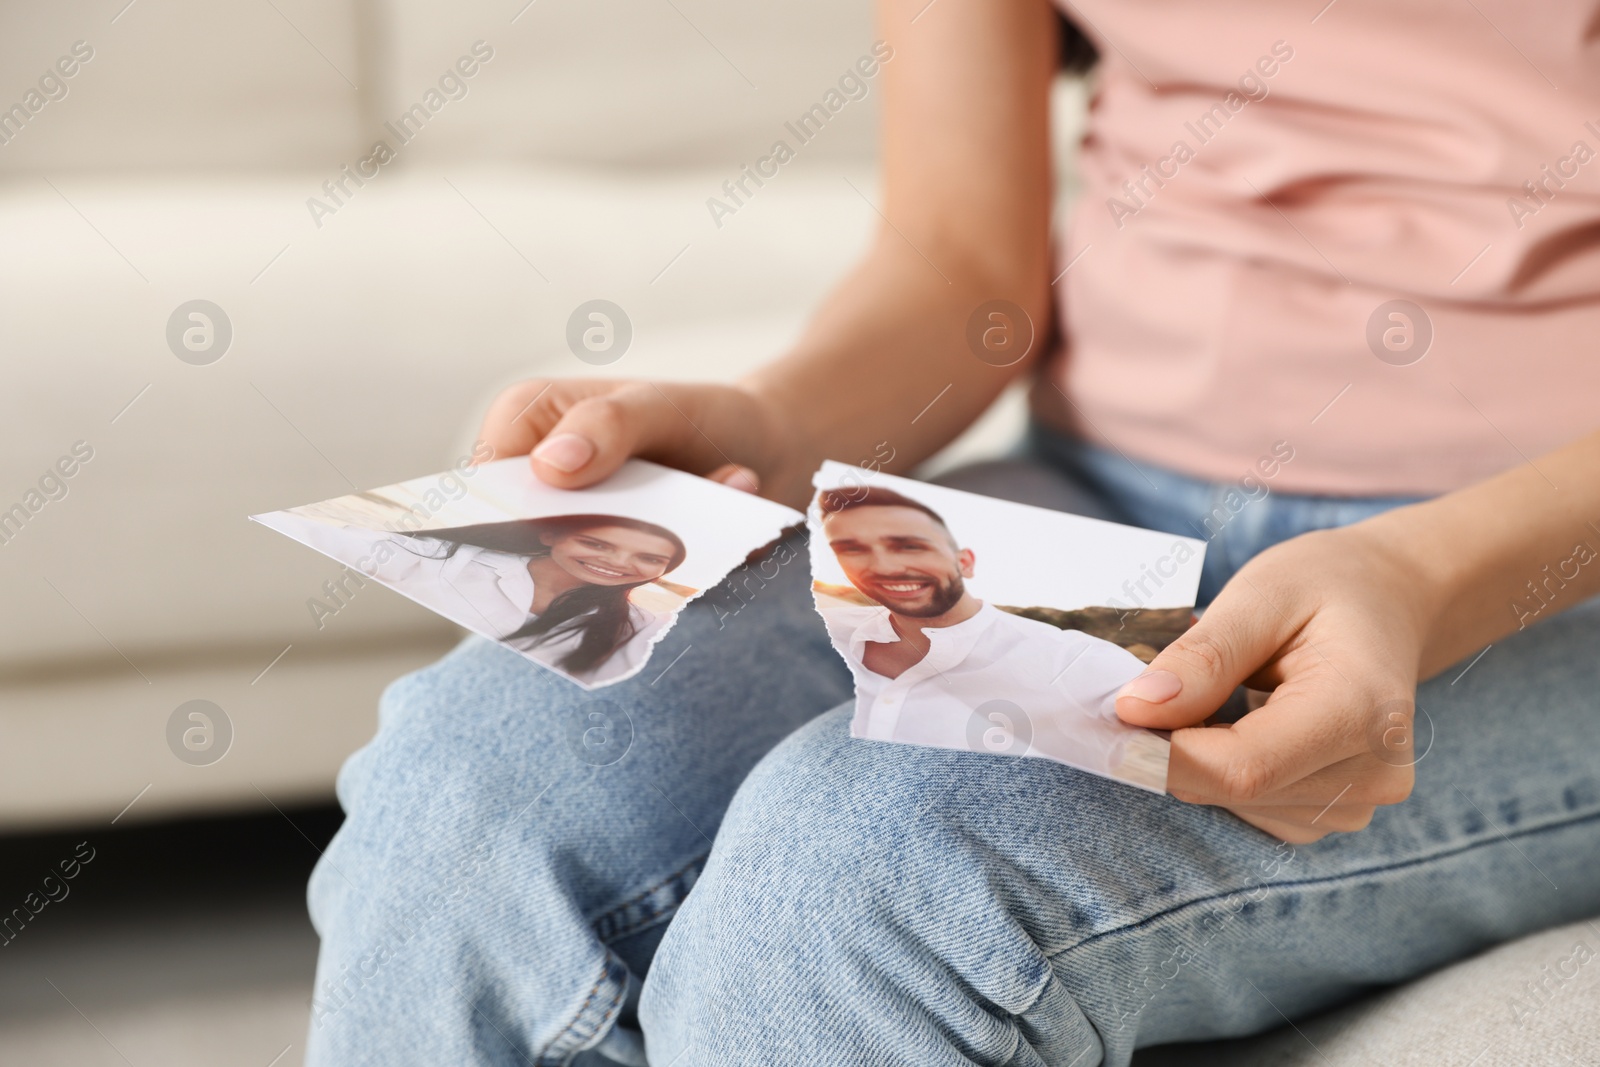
pixel 185 157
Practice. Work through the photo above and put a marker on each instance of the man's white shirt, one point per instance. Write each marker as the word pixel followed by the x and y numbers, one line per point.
pixel 1063 681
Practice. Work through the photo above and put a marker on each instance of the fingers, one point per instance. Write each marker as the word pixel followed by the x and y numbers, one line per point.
pixel 576 433
pixel 596 434
pixel 1301 729
pixel 524 415
pixel 738 477
pixel 1307 621
pixel 1298 768
pixel 516 421
pixel 1284 829
pixel 1311 739
pixel 1328 819
pixel 1194 676
pixel 1354 781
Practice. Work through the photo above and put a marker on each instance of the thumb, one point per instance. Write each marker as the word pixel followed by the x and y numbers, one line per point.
pixel 737 476
pixel 597 434
pixel 1195 675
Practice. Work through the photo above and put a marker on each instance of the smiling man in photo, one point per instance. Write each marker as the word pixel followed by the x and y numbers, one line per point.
pixel 934 665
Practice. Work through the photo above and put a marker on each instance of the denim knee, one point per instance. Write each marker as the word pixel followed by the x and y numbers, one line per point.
pixel 485 754
pixel 853 897
pixel 494 867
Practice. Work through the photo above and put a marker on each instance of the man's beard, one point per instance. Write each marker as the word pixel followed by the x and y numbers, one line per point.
pixel 945 596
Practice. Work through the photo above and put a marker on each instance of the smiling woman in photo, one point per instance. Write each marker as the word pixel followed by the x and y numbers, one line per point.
pixel 557 588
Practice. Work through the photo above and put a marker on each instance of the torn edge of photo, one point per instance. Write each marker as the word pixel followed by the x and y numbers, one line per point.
pixel 582 582
pixel 989 626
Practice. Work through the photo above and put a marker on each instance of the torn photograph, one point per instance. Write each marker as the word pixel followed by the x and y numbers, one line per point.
pixel 981 624
pixel 583 582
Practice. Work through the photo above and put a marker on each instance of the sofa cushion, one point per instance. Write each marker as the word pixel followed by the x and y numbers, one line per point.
pixel 179 85
pixel 362 353
pixel 616 81
pixel 1532 1001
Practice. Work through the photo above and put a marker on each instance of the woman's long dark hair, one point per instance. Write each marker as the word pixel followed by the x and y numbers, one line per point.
pixel 598 612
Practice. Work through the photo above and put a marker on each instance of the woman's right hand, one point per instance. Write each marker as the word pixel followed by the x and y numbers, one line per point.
pixel 965 220
pixel 578 431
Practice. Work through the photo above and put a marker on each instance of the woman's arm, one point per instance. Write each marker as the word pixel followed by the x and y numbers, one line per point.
pixel 1504 554
pixel 1341 624
pixel 966 220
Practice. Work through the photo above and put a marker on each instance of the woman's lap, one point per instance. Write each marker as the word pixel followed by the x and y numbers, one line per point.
pixel 881 903
pixel 507 857
pixel 507 860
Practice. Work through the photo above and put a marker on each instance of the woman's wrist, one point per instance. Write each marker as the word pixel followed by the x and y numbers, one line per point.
pixel 1427 581
pixel 1493 558
pixel 790 455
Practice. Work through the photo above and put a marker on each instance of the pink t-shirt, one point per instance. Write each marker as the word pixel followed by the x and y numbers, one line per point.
pixel 1261 180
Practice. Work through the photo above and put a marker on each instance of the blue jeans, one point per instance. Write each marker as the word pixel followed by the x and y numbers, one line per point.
pixel 700 865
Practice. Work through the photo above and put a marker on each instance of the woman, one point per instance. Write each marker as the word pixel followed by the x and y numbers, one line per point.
pixel 1369 282
pixel 555 588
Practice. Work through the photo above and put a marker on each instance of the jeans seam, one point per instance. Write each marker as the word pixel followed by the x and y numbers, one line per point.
pixel 585 1024
pixel 650 915
pixel 1299 883
pixel 572 1037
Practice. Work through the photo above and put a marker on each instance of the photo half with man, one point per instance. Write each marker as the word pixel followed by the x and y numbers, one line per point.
pixel 995 627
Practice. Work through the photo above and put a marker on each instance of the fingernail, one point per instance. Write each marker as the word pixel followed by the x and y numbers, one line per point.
pixel 566 452
pixel 1153 687
pixel 737 477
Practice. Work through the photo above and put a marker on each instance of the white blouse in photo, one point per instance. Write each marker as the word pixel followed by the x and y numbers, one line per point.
pixel 484 590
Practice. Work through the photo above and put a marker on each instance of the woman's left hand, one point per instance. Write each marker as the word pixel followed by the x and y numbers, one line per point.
pixel 1334 625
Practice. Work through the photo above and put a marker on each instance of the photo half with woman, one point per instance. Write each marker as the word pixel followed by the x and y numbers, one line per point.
pixel 584 585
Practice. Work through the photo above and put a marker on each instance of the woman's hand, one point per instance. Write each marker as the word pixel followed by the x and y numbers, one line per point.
pixel 886 363
pixel 1334 625
pixel 578 431
pixel 1340 625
